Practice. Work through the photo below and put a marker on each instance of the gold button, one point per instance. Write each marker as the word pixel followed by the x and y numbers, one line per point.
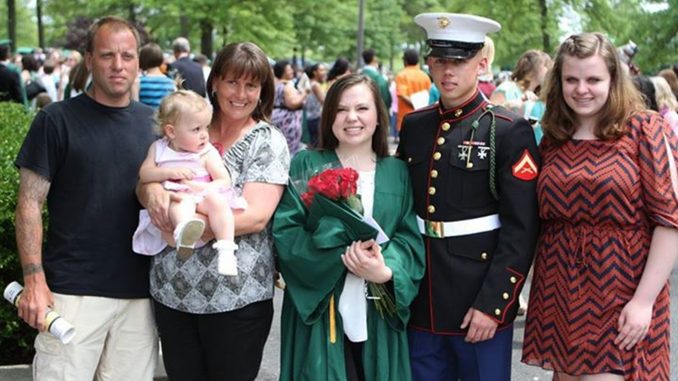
pixel 445 126
pixel 432 191
pixel 409 159
pixel 431 209
pixel 483 256
pixel 441 141
pixel 505 296
pixel 437 155
pixel 434 173
pixel 513 279
pixel 497 312
pixel 469 165
pixel 458 113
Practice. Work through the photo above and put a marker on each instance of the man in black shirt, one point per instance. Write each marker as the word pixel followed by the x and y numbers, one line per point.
pixel 82 155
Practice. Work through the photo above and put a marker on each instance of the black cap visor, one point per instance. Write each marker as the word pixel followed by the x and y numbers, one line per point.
pixel 453 49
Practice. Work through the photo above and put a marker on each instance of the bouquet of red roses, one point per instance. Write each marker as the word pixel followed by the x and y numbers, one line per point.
pixel 340 186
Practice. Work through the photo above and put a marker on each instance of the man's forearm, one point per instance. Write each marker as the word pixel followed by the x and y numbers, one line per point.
pixel 29 240
pixel 28 224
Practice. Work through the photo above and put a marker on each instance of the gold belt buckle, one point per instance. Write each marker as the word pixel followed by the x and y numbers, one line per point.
pixel 435 229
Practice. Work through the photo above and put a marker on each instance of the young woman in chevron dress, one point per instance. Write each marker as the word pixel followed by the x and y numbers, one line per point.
pixel 599 302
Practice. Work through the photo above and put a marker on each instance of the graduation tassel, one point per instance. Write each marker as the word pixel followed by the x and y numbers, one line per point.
pixel 333 324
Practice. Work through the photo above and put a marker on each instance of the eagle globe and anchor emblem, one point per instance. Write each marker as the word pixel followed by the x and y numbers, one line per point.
pixel 443 22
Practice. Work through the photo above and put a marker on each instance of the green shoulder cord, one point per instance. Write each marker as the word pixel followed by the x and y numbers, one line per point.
pixel 493 145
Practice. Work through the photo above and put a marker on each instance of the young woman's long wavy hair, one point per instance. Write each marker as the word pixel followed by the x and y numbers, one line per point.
pixel 623 100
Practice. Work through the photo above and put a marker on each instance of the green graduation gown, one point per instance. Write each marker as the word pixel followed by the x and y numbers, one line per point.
pixel 313 271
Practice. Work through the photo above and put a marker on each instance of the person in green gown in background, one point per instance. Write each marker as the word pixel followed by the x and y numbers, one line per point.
pixel 331 330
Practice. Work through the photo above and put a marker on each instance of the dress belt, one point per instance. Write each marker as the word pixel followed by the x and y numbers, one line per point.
pixel 441 229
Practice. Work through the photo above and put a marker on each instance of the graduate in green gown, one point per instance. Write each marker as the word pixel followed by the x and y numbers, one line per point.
pixel 325 334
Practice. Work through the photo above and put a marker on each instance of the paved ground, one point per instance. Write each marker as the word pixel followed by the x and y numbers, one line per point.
pixel 521 372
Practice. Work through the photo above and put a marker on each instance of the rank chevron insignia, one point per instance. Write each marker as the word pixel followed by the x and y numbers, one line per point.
pixel 525 168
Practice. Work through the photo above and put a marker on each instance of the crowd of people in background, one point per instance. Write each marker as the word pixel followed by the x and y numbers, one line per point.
pixel 479 164
pixel 58 74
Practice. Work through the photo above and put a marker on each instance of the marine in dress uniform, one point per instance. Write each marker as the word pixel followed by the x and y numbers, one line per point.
pixel 474 170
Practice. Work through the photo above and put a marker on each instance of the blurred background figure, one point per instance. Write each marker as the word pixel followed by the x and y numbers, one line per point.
pixel 30 79
pixel 666 101
pixel 520 93
pixel 313 107
pixel 626 54
pixel 288 105
pixel 192 77
pixel 646 89
pixel 47 80
pixel 78 79
pixel 410 81
pixel 73 59
pixel 11 84
pixel 486 81
pixel 672 79
pixel 340 69
pixel 371 70
pixel 204 63
pixel 154 85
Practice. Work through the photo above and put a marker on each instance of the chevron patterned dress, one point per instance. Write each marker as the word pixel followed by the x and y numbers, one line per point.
pixel 599 202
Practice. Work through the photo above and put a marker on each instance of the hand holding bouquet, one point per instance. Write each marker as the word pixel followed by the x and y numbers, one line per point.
pixel 363 257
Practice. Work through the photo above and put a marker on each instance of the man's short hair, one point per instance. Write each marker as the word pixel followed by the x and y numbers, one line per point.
pixel 181 45
pixel 113 22
pixel 411 57
pixel 368 56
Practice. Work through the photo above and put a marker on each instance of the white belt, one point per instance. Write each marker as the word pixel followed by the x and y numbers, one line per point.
pixel 440 229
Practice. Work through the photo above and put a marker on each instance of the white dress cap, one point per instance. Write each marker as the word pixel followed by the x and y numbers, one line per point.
pixel 456 27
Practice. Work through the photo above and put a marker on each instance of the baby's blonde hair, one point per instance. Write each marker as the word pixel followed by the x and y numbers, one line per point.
pixel 175 104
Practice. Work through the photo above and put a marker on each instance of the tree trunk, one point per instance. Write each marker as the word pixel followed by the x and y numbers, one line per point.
pixel 132 13
pixel 361 34
pixel 206 28
pixel 41 27
pixel 184 28
pixel 546 39
pixel 11 25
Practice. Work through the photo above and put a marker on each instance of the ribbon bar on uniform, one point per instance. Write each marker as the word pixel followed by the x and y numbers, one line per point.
pixel 441 229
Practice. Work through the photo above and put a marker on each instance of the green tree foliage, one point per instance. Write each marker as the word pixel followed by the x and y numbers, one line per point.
pixel 26 27
pixel 655 33
pixel 16 337
pixel 326 30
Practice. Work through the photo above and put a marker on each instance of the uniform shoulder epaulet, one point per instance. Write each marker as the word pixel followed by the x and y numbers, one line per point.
pixel 501 112
pixel 424 109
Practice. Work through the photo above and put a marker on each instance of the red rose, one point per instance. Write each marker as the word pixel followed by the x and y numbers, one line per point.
pixel 325 184
pixel 349 182
pixel 307 198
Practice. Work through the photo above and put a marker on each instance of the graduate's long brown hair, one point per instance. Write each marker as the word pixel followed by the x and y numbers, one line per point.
pixel 330 108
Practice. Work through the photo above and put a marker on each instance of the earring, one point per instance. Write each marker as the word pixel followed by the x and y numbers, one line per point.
pixel 259 102
pixel 214 94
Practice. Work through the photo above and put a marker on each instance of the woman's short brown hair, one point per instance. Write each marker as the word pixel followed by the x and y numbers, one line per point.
pixel 623 100
pixel 242 59
pixel 330 108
